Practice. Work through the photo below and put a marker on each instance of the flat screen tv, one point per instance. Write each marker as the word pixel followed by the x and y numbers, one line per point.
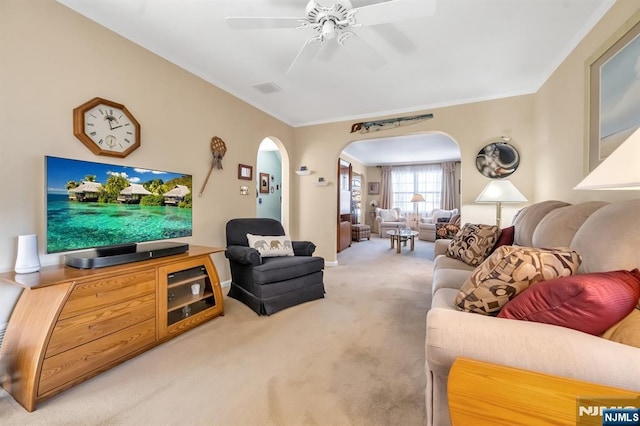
pixel 96 205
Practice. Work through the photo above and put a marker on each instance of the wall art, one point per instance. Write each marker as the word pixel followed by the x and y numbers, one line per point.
pixel 614 109
pixel 264 183
pixel 497 160
pixel 245 172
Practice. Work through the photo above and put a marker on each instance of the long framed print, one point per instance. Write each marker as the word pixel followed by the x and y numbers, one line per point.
pixel 614 84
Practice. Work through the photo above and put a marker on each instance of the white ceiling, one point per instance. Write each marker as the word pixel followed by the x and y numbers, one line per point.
pixel 469 50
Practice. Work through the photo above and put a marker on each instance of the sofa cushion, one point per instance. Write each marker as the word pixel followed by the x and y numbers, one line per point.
pixel 473 243
pixel 528 219
pixel 606 238
pixel 559 226
pixel 590 303
pixel 271 246
pixel 509 271
pixel 626 331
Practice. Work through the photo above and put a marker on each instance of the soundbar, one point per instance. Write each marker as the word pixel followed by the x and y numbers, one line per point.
pixel 120 254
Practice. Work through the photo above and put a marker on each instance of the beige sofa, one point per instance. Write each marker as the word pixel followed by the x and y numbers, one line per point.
pixel 607 236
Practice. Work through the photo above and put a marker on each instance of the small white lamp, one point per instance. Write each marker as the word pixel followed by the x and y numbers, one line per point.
pixel 500 191
pixel 27 259
pixel 417 198
pixel 618 170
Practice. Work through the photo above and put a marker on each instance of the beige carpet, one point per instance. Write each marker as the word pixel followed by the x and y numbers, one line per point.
pixel 353 358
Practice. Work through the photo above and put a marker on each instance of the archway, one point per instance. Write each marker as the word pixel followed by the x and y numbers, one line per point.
pixel 272 181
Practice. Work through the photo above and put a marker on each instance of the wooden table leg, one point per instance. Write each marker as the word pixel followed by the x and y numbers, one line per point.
pixel 398 245
pixel 412 242
pixel 392 238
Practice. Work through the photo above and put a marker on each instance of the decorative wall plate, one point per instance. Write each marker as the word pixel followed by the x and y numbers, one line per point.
pixel 497 160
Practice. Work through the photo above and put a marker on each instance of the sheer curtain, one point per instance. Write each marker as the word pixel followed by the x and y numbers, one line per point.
pixel 424 179
pixel 448 186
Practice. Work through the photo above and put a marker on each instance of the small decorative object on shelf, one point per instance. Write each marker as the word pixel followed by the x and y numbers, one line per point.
pixel 321 182
pixel 303 171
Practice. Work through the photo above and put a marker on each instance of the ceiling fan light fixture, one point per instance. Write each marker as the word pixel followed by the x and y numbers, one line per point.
pixel 328 29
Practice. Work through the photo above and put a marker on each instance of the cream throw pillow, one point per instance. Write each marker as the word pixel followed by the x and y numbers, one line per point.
pixel 271 246
pixel 389 215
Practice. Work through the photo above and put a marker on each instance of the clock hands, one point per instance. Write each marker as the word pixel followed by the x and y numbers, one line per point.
pixel 111 119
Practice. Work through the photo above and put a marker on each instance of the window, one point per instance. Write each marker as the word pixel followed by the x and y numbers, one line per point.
pixel 424 179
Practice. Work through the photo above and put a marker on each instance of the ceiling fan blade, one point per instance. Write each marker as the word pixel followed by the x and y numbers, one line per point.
pixel 395 38
pixel 306 54
pixel 393 11
pixel 250 23
pixel 360 50
pixel 327 50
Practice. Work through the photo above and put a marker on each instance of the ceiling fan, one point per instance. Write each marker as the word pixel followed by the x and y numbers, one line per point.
pixel 336 22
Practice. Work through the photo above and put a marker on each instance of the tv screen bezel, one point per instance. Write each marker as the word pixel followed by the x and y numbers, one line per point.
pixel 132 173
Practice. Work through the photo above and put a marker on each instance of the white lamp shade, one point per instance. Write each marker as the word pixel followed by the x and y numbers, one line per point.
pixel 620 170
pixel 500 190
pixel 417 198
pixel 27 259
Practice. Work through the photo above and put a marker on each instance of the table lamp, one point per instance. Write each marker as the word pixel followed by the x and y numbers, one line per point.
pixel 500 191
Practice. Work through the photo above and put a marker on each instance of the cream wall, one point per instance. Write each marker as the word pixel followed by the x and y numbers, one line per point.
pixel 54 60
pixel 472 126
pixel 560 117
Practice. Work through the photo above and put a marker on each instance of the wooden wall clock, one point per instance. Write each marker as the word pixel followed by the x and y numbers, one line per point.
pixel 106 128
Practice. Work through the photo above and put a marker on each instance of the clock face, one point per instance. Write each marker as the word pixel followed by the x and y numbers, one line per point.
pixel 106 128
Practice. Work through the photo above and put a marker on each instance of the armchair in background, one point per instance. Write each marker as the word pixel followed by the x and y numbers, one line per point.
pixel 427 225
pixel 270 282
pixel 388 219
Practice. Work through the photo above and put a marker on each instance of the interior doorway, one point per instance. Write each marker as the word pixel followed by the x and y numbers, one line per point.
pixel 269 180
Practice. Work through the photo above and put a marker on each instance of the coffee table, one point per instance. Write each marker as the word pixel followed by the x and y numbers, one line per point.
pixel 402 235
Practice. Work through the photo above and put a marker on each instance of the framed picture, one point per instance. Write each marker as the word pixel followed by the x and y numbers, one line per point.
pixel 264 183
pixel 374 188
pixel 613 109
pixel 245 172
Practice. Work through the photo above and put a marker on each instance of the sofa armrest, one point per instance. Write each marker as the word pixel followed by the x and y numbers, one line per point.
pixel 441 246
pixel 303 248
pixel 528 345
pixel 243 255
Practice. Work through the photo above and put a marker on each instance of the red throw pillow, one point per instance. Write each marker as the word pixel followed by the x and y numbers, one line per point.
pixel 506 237
pixel 586 302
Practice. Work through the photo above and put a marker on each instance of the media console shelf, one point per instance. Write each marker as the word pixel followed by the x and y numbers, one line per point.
pixel 72 324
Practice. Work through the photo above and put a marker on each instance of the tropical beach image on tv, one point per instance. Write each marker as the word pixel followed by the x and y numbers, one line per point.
pixel 91 205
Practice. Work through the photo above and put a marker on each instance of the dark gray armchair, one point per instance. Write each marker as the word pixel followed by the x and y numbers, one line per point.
pixel 270 284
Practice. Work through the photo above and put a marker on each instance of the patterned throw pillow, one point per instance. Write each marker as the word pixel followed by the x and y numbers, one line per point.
pixel 473 243
pixel 271 246
pixel 510 270
pixel 446 230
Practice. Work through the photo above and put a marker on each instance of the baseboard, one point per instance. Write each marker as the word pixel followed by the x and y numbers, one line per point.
pixel 225 284
pixel 331 263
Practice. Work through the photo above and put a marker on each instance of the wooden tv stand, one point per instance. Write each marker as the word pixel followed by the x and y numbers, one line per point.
pixel 72 324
